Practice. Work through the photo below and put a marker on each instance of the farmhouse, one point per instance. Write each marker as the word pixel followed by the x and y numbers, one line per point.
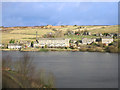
pixel 107 40
pixel 14 46
pixel 88 41
pixel 52 42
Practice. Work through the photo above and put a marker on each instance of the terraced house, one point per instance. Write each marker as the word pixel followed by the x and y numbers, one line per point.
pixel 14 46
pixel 86 41
pixel 52 42
pixel 107 40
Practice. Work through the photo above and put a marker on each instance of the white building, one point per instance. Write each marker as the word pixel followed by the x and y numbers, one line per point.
pixel 52 42
pixel 14 46
pixel 25 43
pixel 0 45
pixel 88 41
pixel 107 40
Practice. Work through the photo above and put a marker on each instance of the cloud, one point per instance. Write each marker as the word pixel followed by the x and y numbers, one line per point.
pixel 60 0
pixel 43 13
pixel 61 7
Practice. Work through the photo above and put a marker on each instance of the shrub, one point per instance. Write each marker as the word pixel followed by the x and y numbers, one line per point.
pixel 83 49
pixel 43 50
pixel 65 47
pixel 12 41
pixel 91 50
pixel 75 25
pixel 32 43
pixel 112 49
pixel 111 44
pixel 100 44
pixel 24 75
pixel 45 46
pixel 94 44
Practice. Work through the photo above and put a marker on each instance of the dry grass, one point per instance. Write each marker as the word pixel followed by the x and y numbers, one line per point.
pixel 23 34
pixel 6 37
pixel 93 29
pixel 29 33
pixel 107 29
pixel 32 31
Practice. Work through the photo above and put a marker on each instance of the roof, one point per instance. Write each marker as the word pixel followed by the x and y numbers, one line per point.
pixel 53 38
pixel 13 44
pixel 88 38
pixel 107 37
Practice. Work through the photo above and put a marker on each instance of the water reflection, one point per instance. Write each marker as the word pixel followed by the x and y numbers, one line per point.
pixel 77 69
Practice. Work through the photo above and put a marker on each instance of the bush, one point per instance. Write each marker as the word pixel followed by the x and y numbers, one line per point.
pixel 83 49
pixel 65 47
pixel 94 44
pixel 100 44
pixel 75 25
pixel 24 74
pixel 45 46
pixel 44 50
pixel 32 43
pixel 112 49
pixel 91 50
pixel 12 41
pixel 111 44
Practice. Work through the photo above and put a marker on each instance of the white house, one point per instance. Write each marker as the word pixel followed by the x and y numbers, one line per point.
pixel 0 45
pixel 107 40
pixel 26 43
pixel 14 46
pixel 52 42
pixel 88 41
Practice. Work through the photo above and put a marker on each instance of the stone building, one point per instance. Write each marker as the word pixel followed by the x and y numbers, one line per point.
pixel 52 42
pixel 14 46
pixel 107 40
pixel 88 41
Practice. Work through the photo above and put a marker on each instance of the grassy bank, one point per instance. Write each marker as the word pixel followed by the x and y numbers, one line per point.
pixel 43 50
pixel 83 49
pixel 22 73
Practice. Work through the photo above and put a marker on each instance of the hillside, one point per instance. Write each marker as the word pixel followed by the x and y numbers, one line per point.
pixel 29 33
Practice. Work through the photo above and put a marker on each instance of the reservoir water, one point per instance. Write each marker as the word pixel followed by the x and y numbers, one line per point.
pixel 76 69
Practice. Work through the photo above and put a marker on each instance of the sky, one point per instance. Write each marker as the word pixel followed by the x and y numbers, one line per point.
pixel 63 13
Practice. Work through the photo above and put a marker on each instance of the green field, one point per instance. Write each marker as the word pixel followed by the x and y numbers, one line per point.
pixel 75 37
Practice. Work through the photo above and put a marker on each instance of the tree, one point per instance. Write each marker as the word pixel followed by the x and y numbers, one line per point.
pixel 12 41
pixel 105 34
pixel 45 46
pixel 26 66
pixel 111 44
pixel 32 43
pixel 100 44
pixel 62 26
pixel 48 35
pixel 75 25
pixel 68 32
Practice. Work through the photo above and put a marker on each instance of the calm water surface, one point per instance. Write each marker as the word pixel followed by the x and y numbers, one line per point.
pixel 76 69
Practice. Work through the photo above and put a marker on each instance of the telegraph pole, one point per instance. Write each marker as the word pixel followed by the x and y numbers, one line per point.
pixel 36 35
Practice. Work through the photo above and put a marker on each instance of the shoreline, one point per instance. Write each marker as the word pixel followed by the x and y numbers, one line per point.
pixel 58 50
